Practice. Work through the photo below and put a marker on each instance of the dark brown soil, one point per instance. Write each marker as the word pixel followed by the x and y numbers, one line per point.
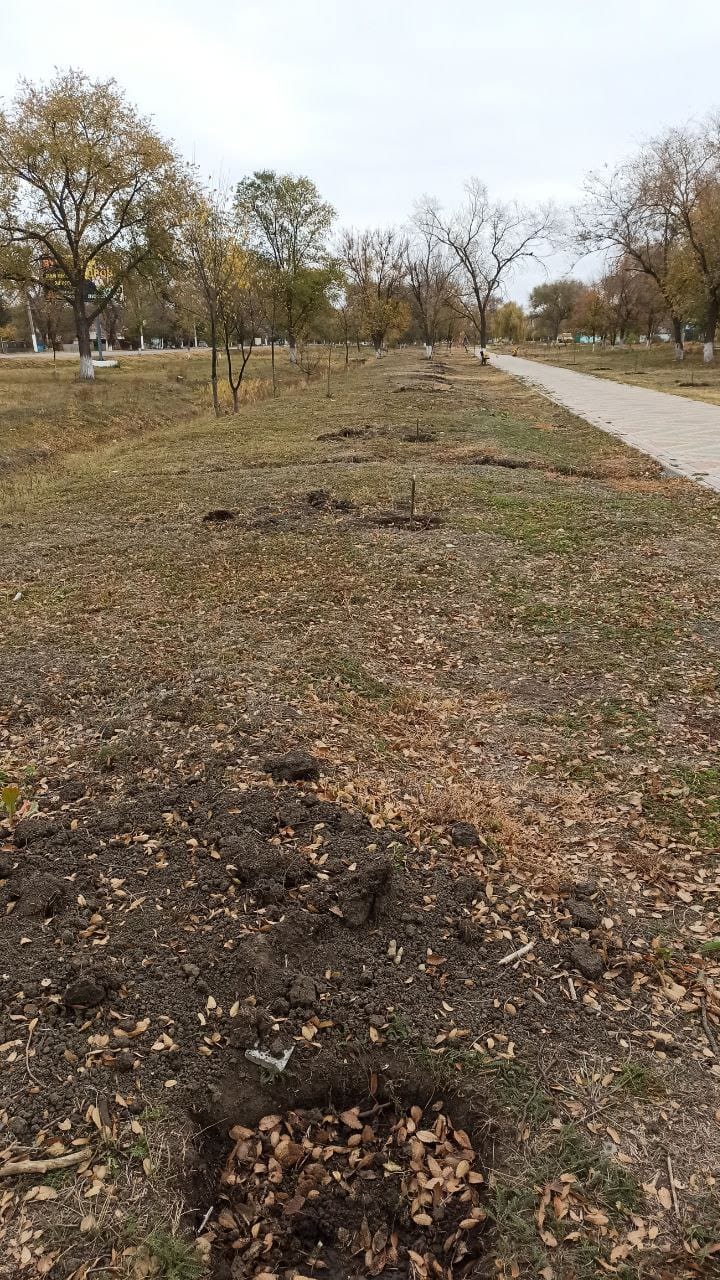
pixel 197 922
pixel 350 433
pixel 538 464
pixel 419 437
pixel 401 520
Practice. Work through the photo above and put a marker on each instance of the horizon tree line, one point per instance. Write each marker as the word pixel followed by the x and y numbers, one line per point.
pixel 102 222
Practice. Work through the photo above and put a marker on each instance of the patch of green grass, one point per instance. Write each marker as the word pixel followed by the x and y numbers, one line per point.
pixel 570 767
pixel 702 1231
pixel 176 1259
pixel 514 1087
pixel 606 1181
pixel 694 810
pixel 350 671
pixel 512 1204
pixel 639 1081
pixel 511 1209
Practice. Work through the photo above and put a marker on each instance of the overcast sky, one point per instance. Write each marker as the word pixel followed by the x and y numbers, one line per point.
pixel 382 103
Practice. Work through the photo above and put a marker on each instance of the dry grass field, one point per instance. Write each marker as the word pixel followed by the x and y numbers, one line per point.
pixel 654 367
pixel 430 799
pixel 45 411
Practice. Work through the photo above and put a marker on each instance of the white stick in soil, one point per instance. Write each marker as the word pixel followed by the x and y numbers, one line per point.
pixel 517 955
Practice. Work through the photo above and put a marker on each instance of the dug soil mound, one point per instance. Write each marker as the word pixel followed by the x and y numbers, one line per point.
pixel 157 939
pixel 374 1189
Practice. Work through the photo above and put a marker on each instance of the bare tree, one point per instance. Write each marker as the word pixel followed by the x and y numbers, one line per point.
pixel 212 256
pixel 429 272
pixel 487 239
pixel 241 312
pixel 649 305
pixel 686 168
pixel 637 212
pixel 375 262
pixel 616 287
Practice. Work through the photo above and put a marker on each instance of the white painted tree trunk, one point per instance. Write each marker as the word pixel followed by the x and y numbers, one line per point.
pixel 679 351
pixel 33 335
pixel 142 335
pixel 293 355
pixel 708 352
pixel 428 351
pixel 87 372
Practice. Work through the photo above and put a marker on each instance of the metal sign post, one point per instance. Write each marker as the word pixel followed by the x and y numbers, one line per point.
pixel 96 286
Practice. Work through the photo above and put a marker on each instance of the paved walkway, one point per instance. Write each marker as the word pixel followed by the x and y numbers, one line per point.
pixel 684 435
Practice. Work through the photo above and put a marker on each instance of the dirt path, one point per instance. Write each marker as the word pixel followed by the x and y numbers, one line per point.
pixel 683 435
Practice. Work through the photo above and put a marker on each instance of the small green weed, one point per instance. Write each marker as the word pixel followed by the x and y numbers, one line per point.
pixel 140 1149
pixel 176 1259
pixel 351 672
pixel 639 1081
pixel 399 1029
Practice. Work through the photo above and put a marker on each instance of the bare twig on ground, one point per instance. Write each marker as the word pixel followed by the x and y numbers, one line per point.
pixel 673 1191
pixel 706 1027
pixel 15 1168
pixel 516 955
pixel 33 1025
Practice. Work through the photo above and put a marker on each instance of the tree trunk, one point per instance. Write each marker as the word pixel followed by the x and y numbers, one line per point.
pixel 231 382
pixel 87 372
pixel 213 365
pixel 711 321
pixel 483 329
pixel 678 338
pixel 292 343
pixel 428 350
pixel 33 335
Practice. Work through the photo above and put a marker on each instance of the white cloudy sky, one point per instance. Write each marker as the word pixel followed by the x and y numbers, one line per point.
pixel 383 102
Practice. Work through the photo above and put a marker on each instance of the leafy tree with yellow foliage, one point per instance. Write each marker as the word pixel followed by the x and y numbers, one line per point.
pixel 85 183
pixel 287 224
